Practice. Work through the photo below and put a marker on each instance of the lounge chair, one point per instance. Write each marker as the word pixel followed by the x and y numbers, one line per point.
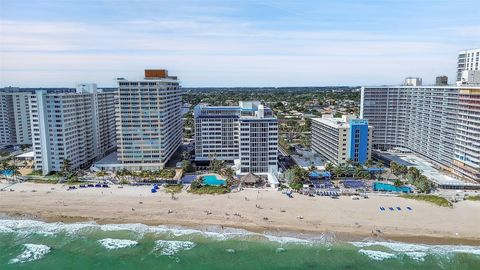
pixel 409 208
pixel 382 208
pixel 399 209
pixel 391 208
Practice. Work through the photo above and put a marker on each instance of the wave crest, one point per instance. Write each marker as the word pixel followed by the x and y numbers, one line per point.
pixel 31 252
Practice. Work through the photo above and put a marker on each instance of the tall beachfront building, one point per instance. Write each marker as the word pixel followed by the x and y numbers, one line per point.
pixel 246 135
pixel 77 126
pixel 148 120
pixel 440 123
pixel 15 118
pixel 468 64
pixel 342 139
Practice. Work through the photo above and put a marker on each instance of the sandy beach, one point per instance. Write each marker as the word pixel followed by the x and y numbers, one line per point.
pixel 254 210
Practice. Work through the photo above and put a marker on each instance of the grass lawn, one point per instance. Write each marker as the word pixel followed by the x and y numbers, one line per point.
pixel 473 198
pixel 43 181
pixel 440 201
pixel 210 190
pixel 173 188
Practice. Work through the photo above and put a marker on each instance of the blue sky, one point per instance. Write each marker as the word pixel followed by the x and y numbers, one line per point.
pixel 234 43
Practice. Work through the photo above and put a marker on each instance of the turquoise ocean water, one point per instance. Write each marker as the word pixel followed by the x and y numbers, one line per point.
pixel 29 244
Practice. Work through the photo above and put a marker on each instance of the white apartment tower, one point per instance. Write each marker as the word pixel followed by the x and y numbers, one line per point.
pixel 148 120
pixel 63 127
pixel 468 65
pixel 440 123
pixel 246 135
pixel 15 118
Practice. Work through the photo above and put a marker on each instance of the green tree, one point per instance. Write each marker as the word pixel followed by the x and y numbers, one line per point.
pixel 66 168
pixel 308 124
pixel 4 166
pixel 186 155
pixel 340 170
pixel 14 171
pixel 187 166
pixel 216 165
pixel 398 183
pixel 329 167
pixel 360 172
pixel 369 163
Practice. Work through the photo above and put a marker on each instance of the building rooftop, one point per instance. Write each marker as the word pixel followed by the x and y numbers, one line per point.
pixel 245 110
pixel 339 122
pixel 427 168
pixel 424 86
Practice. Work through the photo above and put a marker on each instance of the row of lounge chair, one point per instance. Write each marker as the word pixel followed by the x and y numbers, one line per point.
pixel 353 184
pixel 393 209
pixel 98 185
pixel 328 193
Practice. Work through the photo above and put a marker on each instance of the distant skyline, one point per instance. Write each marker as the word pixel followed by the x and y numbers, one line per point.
pixel 209 43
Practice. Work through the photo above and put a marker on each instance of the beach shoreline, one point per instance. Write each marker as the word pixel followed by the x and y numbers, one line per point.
pixel 259 211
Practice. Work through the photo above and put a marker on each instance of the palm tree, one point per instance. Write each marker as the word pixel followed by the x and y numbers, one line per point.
pixel 66 167
pixel 339 170
pixel 14 171
pixel 4 166
pixel 359 172
pixel 101 174
pixel 369 163
pixel 329 167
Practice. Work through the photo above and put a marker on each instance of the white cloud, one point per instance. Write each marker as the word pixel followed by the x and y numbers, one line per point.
pixel 211 51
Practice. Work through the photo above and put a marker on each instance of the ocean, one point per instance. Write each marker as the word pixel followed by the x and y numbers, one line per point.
pixel 31 244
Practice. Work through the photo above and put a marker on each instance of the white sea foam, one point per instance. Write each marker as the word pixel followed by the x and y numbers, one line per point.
pixel 169 248
pixel 377 255
pixel 26 226
pixel 31 252
pixel 110 243
pixel 419 251
pixel 416 255
pixel 286 240
pixel 4 229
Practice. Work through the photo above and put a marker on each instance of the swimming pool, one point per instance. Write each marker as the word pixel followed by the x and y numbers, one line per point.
pixel 378 186
pixel 7 172
pixel 212 180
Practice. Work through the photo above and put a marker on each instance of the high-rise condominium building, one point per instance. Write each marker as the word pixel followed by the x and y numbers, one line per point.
pixel 440 123
pixel 246 135
pixel 148 117
pixel 342 139
pixel 78 126
pixel 412 81
pixel 441 80
pixel 468 60
pixel 15 118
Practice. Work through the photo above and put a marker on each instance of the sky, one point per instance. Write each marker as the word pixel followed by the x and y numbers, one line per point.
pixel 59 43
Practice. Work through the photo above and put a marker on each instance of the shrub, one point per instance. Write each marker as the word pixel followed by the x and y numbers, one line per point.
pixel 440 201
